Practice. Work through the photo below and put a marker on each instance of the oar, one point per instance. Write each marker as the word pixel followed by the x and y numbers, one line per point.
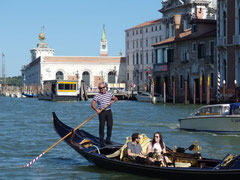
pixel 30 163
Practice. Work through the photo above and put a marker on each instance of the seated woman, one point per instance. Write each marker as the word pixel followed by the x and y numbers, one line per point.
pixel 156 149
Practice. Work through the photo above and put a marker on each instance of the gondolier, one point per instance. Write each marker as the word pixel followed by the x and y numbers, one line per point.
pixel 103 98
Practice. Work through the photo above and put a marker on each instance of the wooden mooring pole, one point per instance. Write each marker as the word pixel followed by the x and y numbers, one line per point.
pixel 224 91
pixel 236 90
pixel 208 90
pixel 186 91
pixel 174 91
pixel 194 92
pixel 201 89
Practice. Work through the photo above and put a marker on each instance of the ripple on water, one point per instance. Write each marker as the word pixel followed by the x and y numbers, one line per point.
pixel 27 131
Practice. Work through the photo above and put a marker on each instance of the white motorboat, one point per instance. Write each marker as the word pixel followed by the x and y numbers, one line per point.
pixel 219 118
pixel 147 97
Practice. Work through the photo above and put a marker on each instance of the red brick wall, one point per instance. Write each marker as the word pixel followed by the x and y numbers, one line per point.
pixel 231 49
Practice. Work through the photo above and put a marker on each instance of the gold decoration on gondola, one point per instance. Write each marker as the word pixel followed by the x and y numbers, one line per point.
pixel 196 148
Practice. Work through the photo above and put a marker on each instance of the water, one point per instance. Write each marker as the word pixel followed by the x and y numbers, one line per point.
pixel 27 131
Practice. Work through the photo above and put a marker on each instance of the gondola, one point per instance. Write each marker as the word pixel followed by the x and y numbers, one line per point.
pixel 89 147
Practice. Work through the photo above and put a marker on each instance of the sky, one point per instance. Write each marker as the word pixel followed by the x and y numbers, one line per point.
pixel 72 27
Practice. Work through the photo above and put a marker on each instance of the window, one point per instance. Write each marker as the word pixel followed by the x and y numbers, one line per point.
pixel 155 28
pixel 127 34
pixel 136 31
pixel 152 29
pixel 156 40
pixel 59 75
pixel 224 23
pixel 133 32
pixel 160 28
pixel 201 51
pixel 137 59
pixel 137 44
pixel 127 60
pixel 128 76
pixel 146 58
pixel 141 44
pixel 194 28
pixel 184 54
pixel 146 30
pixel 141 75
pixel 133 59
pixel 86 78
pixel 194 47
pixel 146 43
pixel 133 44
pixel 141 58
pixel 181 81
pixel 140 31
pixel 170 55
pixel 111 77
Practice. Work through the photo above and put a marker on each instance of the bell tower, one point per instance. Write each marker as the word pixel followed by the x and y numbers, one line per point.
pixel 104 44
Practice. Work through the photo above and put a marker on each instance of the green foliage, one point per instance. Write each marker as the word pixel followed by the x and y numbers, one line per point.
pixel 14 81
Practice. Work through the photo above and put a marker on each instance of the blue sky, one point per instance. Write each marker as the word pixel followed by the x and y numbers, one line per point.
pixel 72 27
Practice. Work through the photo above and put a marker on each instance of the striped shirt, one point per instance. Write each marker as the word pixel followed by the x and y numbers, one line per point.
pixel 103 100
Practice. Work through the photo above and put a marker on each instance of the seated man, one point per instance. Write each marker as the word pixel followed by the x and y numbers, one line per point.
pixel 134 149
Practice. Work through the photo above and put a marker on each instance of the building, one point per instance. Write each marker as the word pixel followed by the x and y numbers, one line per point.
pixel 140 53
pixel 188 57
pixel 92 70
pixel 228 44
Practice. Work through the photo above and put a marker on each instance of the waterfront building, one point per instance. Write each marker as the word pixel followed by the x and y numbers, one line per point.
pixel 140 53
pixel 190 58
pixel 228 44
pixel 90 69
pixel 177 18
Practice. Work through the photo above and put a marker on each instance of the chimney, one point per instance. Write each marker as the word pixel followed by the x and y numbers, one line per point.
pixel 177 21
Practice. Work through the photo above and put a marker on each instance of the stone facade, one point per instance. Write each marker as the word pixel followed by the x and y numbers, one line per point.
pixel 191 55
pixel 228 43
pixel 92 70
pixel 140 53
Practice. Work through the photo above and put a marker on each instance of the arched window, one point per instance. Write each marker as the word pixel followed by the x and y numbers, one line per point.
pixel 86 78
pixel 111 77
pixel 59 75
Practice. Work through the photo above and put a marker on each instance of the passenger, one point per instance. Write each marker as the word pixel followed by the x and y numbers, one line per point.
pixel 134 149
pixel 226 110
pixel 156 149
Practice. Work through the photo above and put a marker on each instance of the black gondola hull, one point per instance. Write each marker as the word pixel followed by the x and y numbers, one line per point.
pixel 134 168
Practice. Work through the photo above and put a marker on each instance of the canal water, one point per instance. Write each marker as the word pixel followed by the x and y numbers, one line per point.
pixel 27 130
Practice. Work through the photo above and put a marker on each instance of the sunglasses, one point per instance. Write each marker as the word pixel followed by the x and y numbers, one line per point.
pixel 101 87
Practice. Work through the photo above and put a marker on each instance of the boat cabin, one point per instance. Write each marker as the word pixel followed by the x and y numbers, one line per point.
pixel 218 109
pixel 60 88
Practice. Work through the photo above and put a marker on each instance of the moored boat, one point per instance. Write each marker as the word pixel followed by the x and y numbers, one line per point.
pixel 219 118
pixel 147 97
pixel 89 147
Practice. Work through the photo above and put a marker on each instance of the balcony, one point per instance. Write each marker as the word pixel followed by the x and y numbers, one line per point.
pixel 236 40
pixel 221 41
pixel 160 67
